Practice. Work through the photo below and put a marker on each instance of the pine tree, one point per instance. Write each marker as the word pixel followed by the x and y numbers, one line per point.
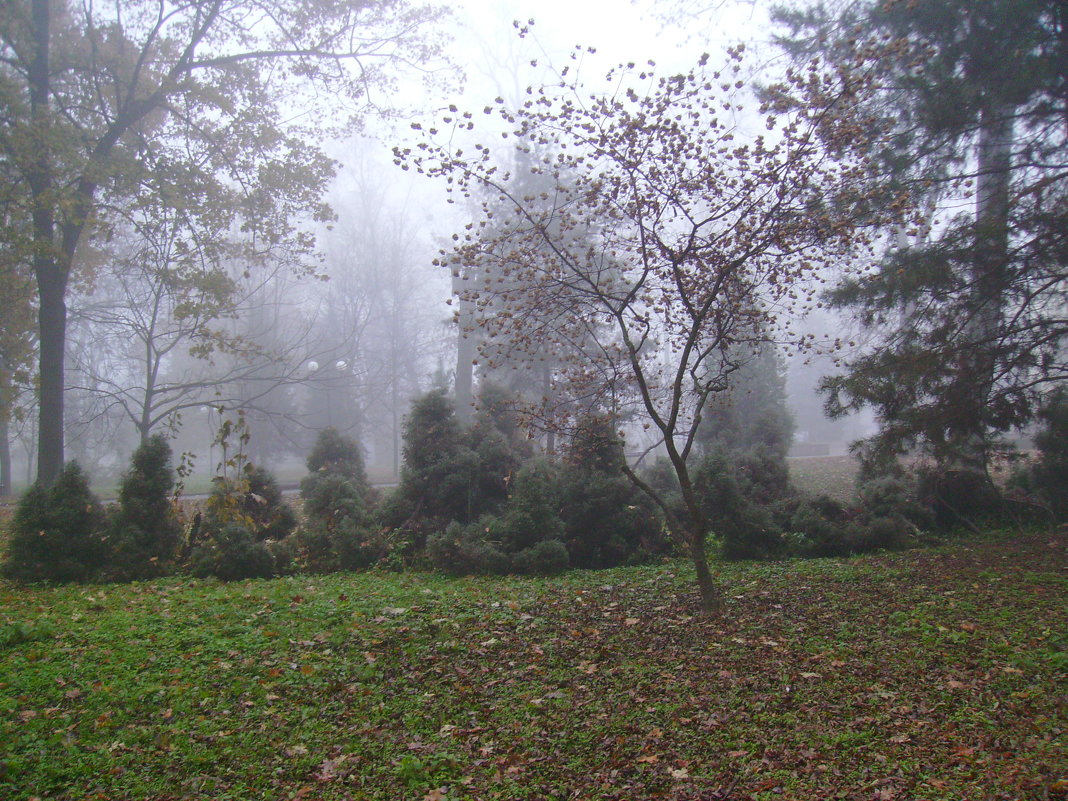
pixel 970 108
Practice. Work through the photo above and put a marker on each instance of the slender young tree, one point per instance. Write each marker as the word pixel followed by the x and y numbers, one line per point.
pixel 667 242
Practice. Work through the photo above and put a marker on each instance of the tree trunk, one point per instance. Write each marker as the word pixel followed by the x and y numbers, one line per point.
pixel 547 388
pixel 988 283
pixel 465 356
pixel 694 535
pixel 5 460
pixel 711 594
pixel 52 321
pixel 50 275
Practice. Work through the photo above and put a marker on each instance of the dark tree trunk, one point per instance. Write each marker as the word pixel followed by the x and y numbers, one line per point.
pixel 547 389
pixel 51 277
pixel 52 317
pixel 711 594
pixel 694 535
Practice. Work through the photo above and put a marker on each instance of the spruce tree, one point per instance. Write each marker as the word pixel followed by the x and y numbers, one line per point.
pixel 968 117
pixel 144 532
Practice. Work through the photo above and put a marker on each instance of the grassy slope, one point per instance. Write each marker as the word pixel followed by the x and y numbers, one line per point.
pixel 928 674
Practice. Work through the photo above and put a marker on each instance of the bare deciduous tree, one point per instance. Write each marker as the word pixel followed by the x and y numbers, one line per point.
pixel 670 242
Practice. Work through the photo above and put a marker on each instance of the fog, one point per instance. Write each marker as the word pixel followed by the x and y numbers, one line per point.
pixel 346 332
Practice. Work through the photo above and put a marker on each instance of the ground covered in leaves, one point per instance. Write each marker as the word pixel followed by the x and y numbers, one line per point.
pixel 934 674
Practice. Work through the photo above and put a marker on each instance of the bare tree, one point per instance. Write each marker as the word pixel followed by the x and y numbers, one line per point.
pixel 667 246
pixel 161 334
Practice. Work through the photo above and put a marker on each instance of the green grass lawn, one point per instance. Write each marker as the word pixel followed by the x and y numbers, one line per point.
pixel 930 674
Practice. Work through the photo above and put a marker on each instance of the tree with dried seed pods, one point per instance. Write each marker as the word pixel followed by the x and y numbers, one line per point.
pixel 670 245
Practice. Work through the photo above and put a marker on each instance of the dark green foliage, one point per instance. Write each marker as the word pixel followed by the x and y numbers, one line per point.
pixel 254 501
pixel 532 514
pixel 336 454
pixel 497 410
pixel 745 435
pixel 595 447
pixel 607 520
pixel 894 497
pixel 336 530
pixel 245 519
pixel 960 498
pixel 339 545
pixel 286 555
pixel 332 498
pixel 884 533
pixel 965 322
pixel 762 474
pixel 545 558
pixel 57 533
pixel 453 475
pixel 231 553
pixel 464 550
pixel 820 526
pixel 440 472
pixel 514 541
pixel 497 463
pixel 499 446
pixel 336 521
pixel 272 518
pixel 745 530
pixel 1050 473
pixel 144 532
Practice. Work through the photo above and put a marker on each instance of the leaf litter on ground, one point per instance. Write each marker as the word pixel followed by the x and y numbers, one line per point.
pixel 935 674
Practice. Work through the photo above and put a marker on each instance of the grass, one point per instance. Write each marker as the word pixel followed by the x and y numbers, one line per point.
pixel 826 475
pixel 935 674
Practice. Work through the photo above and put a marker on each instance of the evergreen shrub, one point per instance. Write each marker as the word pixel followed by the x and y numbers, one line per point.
pixel 462 550
pixel 545 558
pixel 231 553
pixel 57 532
pixel 337 529
pixel 144 532
pixel 607 520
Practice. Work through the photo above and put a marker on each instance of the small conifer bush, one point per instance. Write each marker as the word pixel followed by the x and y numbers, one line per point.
pixel 57 533
pixel 144 533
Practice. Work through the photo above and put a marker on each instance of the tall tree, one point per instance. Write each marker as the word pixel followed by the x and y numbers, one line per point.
pixel 17 314
pixel 670 243
pixel 970 112
pixel 100 93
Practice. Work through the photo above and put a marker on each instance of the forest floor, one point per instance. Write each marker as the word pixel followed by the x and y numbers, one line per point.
pixel 929 674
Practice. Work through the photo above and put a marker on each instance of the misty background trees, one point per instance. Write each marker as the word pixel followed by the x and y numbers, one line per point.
pixel 205 237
